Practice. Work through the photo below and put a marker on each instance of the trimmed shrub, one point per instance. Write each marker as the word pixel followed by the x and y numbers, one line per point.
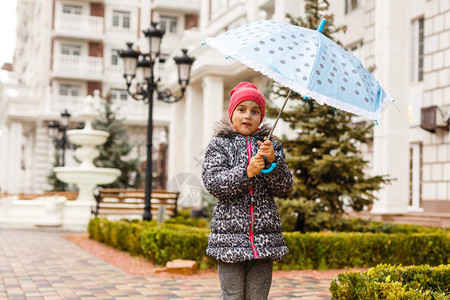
pixel 323 250
pixel 163 243
pixel 327 250
pixel 394 282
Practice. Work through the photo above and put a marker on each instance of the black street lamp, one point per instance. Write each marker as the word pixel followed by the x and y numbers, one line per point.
pixel 57 132
pixel 144 63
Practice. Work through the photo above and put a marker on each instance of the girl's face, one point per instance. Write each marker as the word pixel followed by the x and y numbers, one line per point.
pixel 246 117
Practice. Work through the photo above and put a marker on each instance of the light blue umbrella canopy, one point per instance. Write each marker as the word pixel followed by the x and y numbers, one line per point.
pixel 307 62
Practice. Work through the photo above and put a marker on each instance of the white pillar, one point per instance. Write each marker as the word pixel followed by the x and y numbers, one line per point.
pixel 282 7
pixel 14 157
pixel 4 141
pixel 204 15
pixel 391 141
pixel 176 143
pixel 193 130
pixel 144 24
pixel 252 10
pixel 213 108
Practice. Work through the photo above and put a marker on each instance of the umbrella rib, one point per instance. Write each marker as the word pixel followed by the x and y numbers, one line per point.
pixel 279 114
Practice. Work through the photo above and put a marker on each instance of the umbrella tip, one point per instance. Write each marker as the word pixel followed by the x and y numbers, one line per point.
pixel 322 25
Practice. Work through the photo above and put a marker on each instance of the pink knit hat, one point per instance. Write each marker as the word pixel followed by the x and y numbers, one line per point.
pixel 246 91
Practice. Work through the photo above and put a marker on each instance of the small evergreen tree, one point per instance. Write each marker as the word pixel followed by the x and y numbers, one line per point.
pixel 330 174
pixel 113 154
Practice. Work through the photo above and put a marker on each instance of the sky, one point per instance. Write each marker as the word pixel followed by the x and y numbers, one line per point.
pixel 7 30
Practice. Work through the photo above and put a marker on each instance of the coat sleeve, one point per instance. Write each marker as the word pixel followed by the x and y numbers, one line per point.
pixel 221 179
pixel 278 182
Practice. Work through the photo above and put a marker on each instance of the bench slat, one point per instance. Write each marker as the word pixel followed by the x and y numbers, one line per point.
pixel 128 202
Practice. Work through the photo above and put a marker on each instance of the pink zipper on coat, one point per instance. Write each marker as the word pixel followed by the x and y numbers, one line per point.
pixel 252 210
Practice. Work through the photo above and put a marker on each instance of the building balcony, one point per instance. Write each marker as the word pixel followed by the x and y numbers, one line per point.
pixel 77 67
pixel 128 110
pixel 187 6
pixel 79 26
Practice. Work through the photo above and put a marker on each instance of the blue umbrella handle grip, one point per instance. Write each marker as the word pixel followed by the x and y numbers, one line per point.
pixel 270 169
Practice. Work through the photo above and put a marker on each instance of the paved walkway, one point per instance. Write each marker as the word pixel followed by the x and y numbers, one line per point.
pixel 43 265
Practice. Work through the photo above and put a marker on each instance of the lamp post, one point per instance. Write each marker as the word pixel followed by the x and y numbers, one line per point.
pixel 144 63
pixel 57 132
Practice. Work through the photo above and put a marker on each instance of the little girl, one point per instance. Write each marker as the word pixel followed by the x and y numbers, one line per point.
pixel 245 229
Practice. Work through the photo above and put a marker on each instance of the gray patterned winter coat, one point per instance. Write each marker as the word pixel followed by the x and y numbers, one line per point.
pixel 244 227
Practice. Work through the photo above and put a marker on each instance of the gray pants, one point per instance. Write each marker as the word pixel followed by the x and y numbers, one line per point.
pixel 249 280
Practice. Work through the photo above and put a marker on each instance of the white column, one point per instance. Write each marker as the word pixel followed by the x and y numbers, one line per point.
pixel 252 10
pixel 145 24
pixel 4 141
pixel 176 143
pixel 391 142
pixel 204 15
pixel 282 7
pixel 193 130
pixel 14 157
pixel 213 107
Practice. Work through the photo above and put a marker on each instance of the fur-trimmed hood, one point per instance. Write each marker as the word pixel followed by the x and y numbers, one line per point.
pixel 225 129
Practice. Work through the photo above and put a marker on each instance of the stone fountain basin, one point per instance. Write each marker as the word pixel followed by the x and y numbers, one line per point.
pixel 87 137
pixel 87 176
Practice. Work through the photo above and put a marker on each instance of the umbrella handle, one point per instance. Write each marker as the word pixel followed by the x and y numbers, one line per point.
pixel 269 169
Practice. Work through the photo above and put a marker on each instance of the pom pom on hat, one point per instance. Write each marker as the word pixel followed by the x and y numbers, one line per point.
pixel 246 91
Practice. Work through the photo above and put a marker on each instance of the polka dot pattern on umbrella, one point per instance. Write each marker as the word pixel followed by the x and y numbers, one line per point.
pixel 304 60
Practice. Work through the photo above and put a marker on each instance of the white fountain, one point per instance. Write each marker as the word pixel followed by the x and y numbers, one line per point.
pixel 86 176
pixel 56 211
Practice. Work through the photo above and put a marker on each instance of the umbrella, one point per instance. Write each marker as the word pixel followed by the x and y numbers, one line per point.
pixel 307 62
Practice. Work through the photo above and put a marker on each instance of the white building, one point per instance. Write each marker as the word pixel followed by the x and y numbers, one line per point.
pixel 407 41
pixel 65 50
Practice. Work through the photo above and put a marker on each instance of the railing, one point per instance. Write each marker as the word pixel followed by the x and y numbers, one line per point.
pixel 129 109
pixel 73 104
pixel 74 65
pixel 82 25
pixel 184 2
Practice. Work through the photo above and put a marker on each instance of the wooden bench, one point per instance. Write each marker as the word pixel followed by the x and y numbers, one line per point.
pixel 119 202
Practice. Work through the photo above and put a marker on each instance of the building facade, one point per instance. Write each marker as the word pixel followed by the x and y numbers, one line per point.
pixel 408 44
pixel 70 46
pixel 65 50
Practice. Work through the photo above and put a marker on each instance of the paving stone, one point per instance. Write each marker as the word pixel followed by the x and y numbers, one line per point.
pixel 43 265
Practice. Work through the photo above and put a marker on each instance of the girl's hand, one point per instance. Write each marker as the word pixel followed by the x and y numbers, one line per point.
pixel 255 166
pixel 266 150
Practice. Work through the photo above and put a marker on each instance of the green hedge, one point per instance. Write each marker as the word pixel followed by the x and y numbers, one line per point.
pixel 340 250
pixel 163 242
pixel 394 282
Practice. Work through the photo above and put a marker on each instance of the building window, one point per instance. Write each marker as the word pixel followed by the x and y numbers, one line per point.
pixel 71 50
pixel 69 90
pixel 72 9
pixel 114 57
pixel 121 19
pixel 168 24
pixel 117 94
pixel 415 175
pixel 417 38
pixel 351 5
